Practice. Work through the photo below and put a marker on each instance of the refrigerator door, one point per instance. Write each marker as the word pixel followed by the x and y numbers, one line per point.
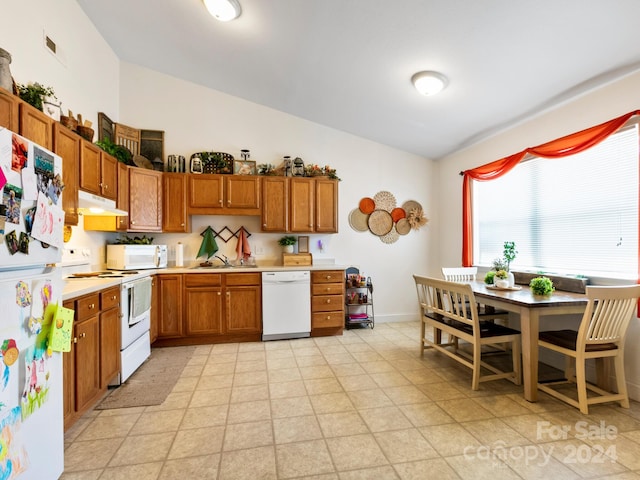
pixel 31 214
pixel 31 397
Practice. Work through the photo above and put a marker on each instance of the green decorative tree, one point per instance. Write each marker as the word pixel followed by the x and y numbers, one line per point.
pixel 209 247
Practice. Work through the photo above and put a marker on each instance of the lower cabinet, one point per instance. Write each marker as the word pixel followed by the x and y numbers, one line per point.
pixel 327 302
pixel 216 308
pixel 94 358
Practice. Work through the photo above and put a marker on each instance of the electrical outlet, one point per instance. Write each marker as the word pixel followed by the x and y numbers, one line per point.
pixel 259 250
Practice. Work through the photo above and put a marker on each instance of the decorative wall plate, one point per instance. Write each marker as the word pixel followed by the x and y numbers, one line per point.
pixel 367 205
pixel 390 237
pixel 358 220
pixel 380 222
pixel 403 227
pixel 385 201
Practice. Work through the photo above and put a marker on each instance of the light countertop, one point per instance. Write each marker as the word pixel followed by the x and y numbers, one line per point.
pixel 76 287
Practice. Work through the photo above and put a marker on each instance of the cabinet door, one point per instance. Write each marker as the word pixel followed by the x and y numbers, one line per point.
pixel 203 310
pixel 108 176
pixel 301 206
pixel 170 306
pixel 9 110
pixel 326 201
pixel 275 204
pixel 90 172
pixel 242 194
pixel 206 194
pixel 145 200
pixel 243 309
pixel 109 345
pixel 69 379
pixel 67 145
pixel 87 362
pixel 155 306
pixel 122 223
pixel 174 203
pixel 36 126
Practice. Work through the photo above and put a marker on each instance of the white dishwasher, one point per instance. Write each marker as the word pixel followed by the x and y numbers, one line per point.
pixel 286 304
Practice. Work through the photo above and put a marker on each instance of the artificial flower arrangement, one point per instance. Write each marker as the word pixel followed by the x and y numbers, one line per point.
pixel 317 171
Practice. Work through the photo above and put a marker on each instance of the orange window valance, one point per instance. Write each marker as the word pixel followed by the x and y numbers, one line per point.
pixel 562 147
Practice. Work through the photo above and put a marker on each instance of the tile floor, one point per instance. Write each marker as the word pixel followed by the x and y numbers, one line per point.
pixel 360 406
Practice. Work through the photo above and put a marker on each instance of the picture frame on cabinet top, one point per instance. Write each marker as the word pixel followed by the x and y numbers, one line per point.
pixel 303 244
pixel 244 167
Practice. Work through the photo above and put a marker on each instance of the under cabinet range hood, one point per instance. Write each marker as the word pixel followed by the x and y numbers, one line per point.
pixel 90 204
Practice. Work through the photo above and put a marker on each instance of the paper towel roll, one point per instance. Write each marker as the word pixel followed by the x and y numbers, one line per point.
pixel 179 255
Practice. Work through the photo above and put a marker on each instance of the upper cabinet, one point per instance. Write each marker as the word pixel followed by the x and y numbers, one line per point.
pixel 35 125
pixel 174 203
pixel 326 203
pixel 302 204
pixel 67 145
pixel 275 204
pixel 145 200
pixel 98 171
pixel 224 194
pixel 9 110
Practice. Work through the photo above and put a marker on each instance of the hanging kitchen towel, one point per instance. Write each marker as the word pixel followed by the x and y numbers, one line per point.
pixel 243 249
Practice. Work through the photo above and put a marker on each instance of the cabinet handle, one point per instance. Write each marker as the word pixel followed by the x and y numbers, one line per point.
pixel 182 224
pixel 92 306
pixel 328 277
pixel 264 225
pixel 328 289
pixel 113 297
pixel 328 300
pixel 229 202
pixel 75 339
pixel 328 317
pixel 133 222
pixel 82 335
pixel 219 293
pixel 220 201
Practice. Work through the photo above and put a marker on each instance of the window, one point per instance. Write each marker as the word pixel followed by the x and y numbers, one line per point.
pixel 576 215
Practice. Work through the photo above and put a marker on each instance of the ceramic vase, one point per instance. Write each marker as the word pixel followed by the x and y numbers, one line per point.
pixel 6 81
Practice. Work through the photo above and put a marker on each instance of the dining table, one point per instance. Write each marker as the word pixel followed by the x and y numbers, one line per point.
pixel 520 300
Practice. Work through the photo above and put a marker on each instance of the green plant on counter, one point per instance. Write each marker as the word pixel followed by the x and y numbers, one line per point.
pixel 488 278
pixel 34 93
pixel 287 240
pixel 541 286
pixel 126 240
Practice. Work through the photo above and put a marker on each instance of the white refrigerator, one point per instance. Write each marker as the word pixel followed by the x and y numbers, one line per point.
pixel 31 240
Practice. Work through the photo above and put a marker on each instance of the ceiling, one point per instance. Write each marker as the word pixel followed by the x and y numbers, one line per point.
pixel 347 64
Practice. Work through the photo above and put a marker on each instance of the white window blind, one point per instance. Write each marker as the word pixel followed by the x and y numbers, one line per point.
pixel 577 214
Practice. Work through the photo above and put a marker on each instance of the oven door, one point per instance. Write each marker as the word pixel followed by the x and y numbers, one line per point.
pixel 136 310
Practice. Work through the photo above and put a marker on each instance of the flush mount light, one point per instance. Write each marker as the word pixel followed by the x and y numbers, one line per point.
pixel 223 10
pixel 429 83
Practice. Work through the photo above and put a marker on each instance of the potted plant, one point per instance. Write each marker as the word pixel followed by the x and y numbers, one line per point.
pixel 287 242
pixel 509 253
pixel 489 278
pixel 34 94
pixel 541 286
pixel 501 279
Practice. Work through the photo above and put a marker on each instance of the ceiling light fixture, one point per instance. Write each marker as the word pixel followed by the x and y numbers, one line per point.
pixel 223 10
pixel 429 83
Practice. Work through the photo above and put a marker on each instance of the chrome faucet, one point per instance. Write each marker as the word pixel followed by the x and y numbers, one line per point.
pixel 224 260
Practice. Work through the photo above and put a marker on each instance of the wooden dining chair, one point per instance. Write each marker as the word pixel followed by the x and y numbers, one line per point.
pixel 451 307
pixel 470 274
pixel 601 335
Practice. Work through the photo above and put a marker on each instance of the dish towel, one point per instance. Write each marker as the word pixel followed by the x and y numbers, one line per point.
pixel 243 249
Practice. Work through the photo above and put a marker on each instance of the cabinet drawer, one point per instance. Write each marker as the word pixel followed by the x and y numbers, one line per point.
pixel 247 279
pixel 326 289
pixel 326 303
pixel 88 306
pixel 327 319
pixel 202 279
pixel 327 276
pixel 110 298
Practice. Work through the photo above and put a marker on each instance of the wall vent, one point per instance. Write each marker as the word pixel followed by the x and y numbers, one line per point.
pixel 53 48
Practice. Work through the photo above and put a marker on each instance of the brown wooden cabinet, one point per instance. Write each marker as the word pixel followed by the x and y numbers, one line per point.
pixel 98 171
pixel 67 144
pixel 275 204
pixel 87 348
pixel 175 217
pixel 326 206
pixel 327 302
pixel 203 304
pixel 169 306
pixel 109 335
pixel 302 206
pixel 35 125
pixel 224 194
pixel 94 359
pixel 243 303
pixel 9 110
pixel 122 202
pixel 145 200
pixel 155 306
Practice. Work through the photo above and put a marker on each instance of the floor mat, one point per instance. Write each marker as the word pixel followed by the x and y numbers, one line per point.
pixel 152 382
